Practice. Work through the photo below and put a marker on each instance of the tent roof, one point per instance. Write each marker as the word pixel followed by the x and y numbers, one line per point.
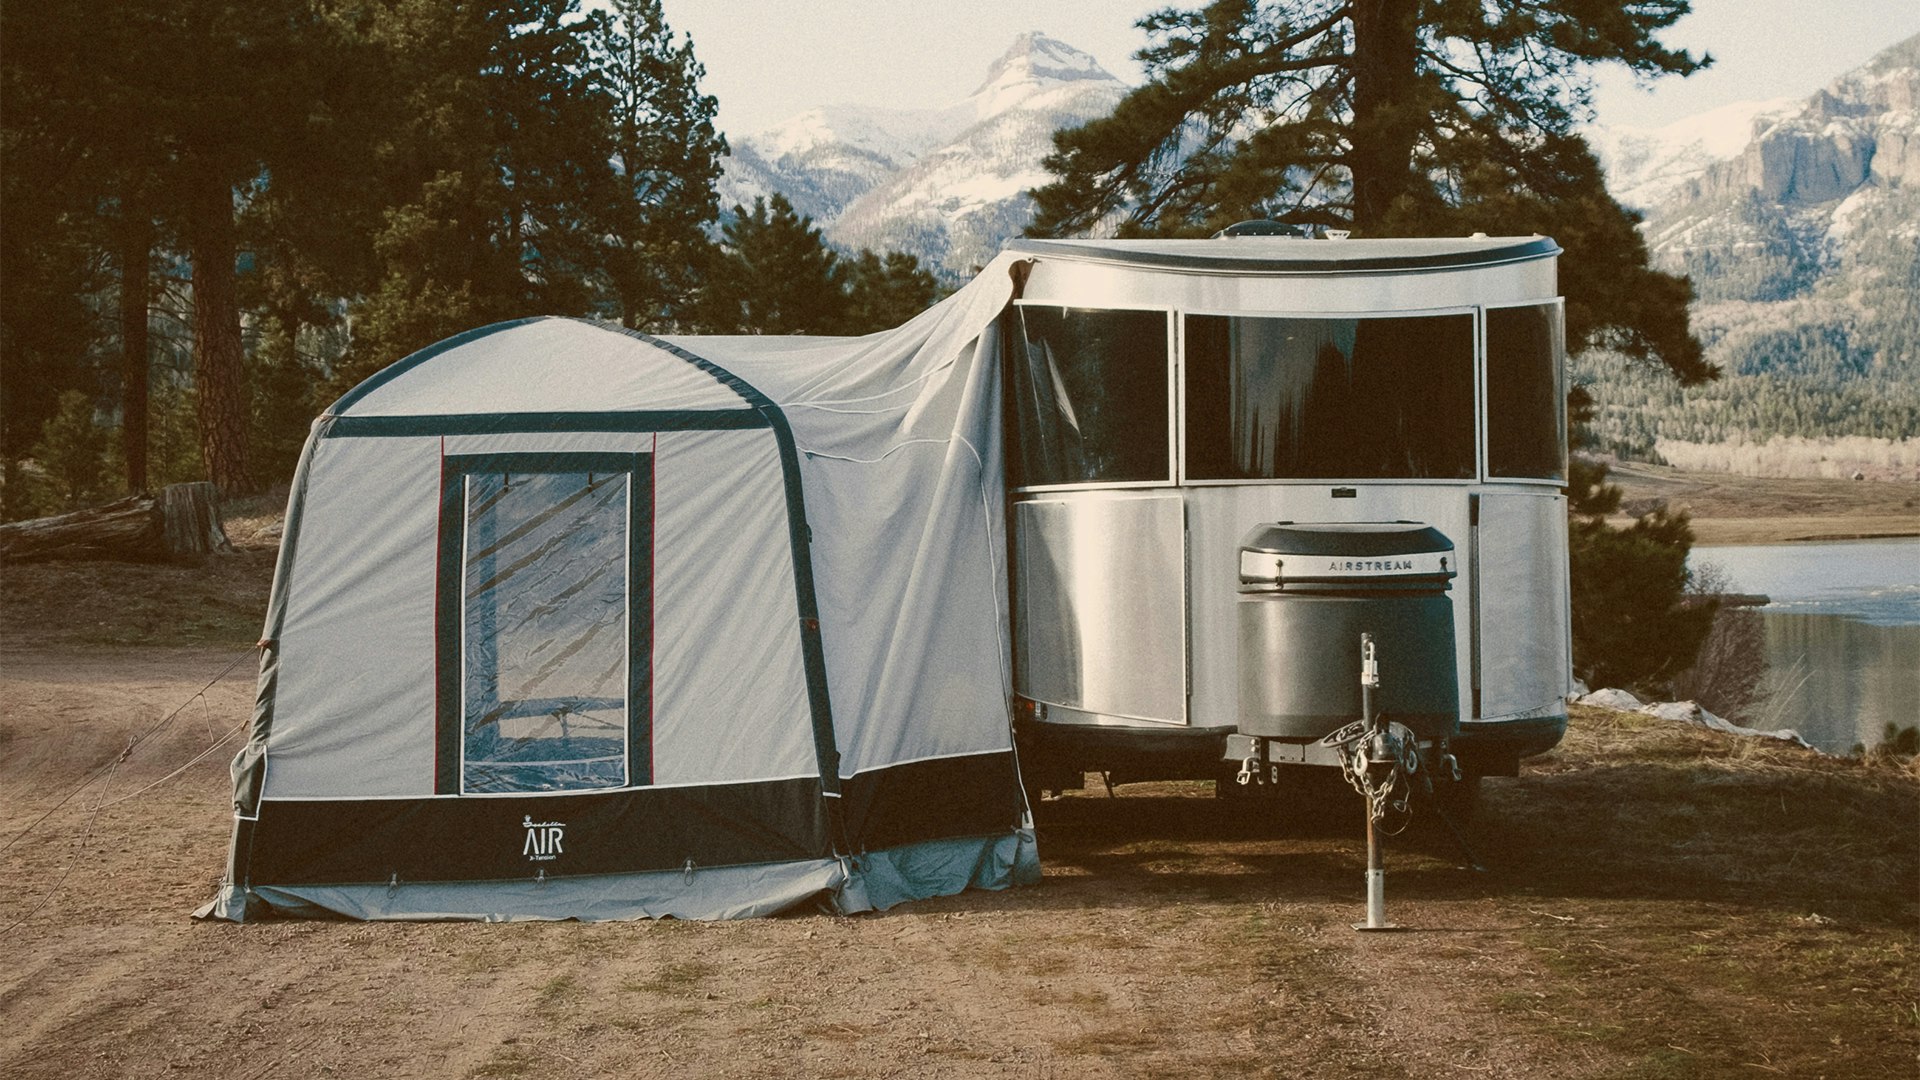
pixel 542 365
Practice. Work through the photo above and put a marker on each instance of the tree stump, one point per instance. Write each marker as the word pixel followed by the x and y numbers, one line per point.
pixel 180 524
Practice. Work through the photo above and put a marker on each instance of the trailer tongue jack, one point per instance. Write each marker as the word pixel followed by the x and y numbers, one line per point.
pixel 1383 764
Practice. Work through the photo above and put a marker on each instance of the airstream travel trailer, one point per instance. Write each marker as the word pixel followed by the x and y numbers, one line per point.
pixel 1227 459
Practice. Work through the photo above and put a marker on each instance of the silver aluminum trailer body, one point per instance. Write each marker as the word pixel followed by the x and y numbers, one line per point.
pixel 1165 397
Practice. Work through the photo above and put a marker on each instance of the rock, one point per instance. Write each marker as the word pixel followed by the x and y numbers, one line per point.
pixel 1683 712
pixel 1610 698
pixel 1578 690
pixel 1690 712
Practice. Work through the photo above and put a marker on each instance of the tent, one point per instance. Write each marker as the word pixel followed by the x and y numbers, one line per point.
pixel 574 622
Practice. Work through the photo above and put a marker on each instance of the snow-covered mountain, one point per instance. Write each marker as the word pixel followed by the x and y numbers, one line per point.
pixel 947 184
pixel 1818 190
pixel 1647 165
pixel 1799 223
pixel 1820 161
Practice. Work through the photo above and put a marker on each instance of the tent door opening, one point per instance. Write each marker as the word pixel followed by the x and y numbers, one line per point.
pixel 544 623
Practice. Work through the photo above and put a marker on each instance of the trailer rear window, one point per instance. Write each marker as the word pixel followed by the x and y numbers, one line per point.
pixel 1090 397
pixel 1330 399
pixel 1526 398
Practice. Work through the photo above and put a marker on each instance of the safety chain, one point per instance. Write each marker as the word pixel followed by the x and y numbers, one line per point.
pixel 1381 767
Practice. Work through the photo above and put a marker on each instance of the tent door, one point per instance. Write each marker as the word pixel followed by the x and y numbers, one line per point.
pixel 544 623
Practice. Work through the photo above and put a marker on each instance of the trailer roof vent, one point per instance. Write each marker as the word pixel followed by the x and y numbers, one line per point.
pixel 1260 227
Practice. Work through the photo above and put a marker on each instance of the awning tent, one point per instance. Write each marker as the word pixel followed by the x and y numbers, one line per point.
pixel 571 622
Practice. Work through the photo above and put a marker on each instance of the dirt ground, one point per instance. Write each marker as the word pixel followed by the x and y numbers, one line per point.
pixel 1729 509
pixel 1659 902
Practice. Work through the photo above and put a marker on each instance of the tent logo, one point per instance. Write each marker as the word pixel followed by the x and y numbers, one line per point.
pixel 543 839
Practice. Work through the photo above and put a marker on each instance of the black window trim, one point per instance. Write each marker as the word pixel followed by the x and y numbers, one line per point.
pixel 1475 311
pixel 1486 419
pixel 449 624
pixel 1174 382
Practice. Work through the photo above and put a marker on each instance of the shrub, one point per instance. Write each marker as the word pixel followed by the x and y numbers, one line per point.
pixel 1633 626
pixel 1727 673
pixel 73 457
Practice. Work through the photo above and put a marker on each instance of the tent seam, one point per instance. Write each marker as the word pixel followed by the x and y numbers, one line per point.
pixel 813 652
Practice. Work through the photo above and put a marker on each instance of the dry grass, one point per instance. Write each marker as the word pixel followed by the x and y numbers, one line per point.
pixel 220 603
pixel 1662 902
pixel 1647 807
pixel 1730 509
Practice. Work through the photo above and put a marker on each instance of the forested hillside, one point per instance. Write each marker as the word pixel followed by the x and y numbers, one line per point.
pixel 1804 251
pixel 220 215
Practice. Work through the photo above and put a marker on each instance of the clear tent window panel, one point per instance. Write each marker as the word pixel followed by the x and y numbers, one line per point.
pixel 546 630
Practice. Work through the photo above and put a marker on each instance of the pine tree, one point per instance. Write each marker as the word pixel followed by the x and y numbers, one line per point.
pixel 885 291
pixel 774 275
pixel 1634 624
pixel 1394 118
pixel 55 179
pixel 283 401
pixel 72 452
pixel 136 235
pixel 157 123
pixel 498 170
pixel 668 156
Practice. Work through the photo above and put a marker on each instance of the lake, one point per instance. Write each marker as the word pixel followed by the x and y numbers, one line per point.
pixel 1843 634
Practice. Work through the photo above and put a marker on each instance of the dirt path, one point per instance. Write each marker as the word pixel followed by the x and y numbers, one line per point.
pixel 1173 935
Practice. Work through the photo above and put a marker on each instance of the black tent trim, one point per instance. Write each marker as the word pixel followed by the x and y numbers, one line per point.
pixel 398 427
pixel 324 842
pixel 449 699
pixel 800 538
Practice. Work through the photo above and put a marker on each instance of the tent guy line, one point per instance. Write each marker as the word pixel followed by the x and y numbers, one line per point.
pixel 132 745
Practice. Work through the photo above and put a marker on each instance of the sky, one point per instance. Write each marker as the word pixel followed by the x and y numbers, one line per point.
pixel 769 59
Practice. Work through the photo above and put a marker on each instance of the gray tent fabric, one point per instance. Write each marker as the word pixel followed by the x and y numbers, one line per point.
pixel 571 622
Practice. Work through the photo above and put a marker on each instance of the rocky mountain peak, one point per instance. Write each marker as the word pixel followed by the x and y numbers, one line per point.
pixel 1035 58
pixel 947 184
pixel 1861 129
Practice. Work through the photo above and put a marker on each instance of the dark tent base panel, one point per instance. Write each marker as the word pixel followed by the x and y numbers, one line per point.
pixel 722 851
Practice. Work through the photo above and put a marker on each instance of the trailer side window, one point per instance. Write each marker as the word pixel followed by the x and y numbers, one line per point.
pixel 1330 399
pixel 1090 400
pixel 1526 401
pixel 544 580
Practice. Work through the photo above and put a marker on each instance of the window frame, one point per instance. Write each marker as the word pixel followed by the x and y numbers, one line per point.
pixel 1484 407
pixel 1478 362
pixel 1172 479
pixel 450 609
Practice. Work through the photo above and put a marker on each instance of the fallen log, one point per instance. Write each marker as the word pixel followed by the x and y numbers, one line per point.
pixel 180 524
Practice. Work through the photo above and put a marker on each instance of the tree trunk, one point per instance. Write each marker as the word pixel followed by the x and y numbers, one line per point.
pixel 136 245
pixel 218 370
pixel 1386 109
pixel 181 524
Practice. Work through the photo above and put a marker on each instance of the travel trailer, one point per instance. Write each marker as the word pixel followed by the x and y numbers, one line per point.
pixel 1230 457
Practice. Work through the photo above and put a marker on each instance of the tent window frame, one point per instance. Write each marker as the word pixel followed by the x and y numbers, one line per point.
pixel 449 615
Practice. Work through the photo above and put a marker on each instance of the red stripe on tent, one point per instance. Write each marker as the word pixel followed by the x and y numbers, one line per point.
pixel 439 544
